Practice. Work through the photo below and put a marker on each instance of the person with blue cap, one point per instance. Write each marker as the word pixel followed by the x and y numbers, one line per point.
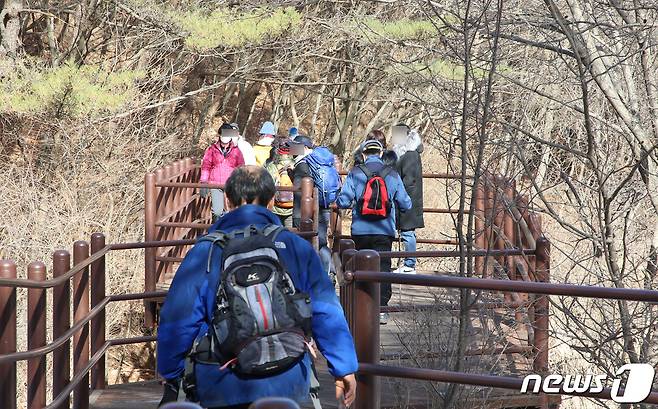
pixel 264 145
pixel 292 133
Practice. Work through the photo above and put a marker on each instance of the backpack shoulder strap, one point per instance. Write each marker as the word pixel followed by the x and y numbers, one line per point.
pixel 387 170
pixel 272 231
pixel 218 238
pixel 365 170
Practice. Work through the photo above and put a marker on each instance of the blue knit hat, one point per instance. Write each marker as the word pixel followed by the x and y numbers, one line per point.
pixel 267 129
pixel 292 132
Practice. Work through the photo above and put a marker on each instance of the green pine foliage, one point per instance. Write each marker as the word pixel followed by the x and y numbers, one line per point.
pixel 67 90
pixel 224 28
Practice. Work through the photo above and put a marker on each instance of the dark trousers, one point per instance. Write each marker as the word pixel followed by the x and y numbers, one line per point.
pixel 378 243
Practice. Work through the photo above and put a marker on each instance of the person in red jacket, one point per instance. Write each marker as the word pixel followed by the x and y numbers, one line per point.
pixel 219 161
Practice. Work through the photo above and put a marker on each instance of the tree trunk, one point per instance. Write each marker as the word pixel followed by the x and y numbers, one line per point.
pixel 10 27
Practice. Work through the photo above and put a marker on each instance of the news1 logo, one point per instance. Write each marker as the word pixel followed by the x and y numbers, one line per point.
pixel 638 383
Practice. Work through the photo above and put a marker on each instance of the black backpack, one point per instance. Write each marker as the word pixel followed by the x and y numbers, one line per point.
pixel 261 324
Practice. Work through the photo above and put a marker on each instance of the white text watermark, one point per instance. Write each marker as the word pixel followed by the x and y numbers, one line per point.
pixel 638 383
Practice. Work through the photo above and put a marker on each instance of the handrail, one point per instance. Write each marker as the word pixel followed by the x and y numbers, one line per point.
pixel 426 175
pixel 531 287
pixel 191 185
pixel 456 253
pixel 504 382
pixel 77 378
pixel 54 282
pixel 174 212
pixel 37 352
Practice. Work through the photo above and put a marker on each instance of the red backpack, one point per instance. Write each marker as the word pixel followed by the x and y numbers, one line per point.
pixel 374 204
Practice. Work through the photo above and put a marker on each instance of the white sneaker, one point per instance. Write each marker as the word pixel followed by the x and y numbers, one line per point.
pixel 405 270
pixel 383 318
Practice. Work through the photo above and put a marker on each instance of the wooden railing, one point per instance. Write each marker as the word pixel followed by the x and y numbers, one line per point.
pixel 174 210
pixel 360 281
pixel 507 240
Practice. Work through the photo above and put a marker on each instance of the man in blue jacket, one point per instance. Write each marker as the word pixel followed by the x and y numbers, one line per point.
pixel 188 308
pixel 374 234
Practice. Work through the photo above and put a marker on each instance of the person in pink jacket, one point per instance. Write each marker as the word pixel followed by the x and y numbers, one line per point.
pixel 218 163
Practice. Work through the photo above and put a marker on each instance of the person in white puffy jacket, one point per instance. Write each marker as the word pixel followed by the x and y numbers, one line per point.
pixel 244 147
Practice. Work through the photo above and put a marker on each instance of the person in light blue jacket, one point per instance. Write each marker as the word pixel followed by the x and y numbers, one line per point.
pixel 374 234
pixel 188 309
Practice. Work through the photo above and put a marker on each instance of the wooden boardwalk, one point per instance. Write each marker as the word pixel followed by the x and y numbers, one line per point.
pixel 424 338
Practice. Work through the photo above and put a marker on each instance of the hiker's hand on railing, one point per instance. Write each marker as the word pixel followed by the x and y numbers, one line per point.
pixel 346 390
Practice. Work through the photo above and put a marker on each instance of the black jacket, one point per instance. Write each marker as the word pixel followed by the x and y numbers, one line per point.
pixel 300 171
pixel 410 168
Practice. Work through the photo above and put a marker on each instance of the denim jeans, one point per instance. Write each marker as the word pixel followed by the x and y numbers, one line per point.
pixel 409 240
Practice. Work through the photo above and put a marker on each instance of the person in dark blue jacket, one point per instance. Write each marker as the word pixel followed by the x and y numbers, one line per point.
pixel 379 234
pixel 188 308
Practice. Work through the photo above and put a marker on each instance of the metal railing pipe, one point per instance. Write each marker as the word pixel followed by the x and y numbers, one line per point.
pixel 61 324
pixel 36 337
pixel 81 336
pixel 571 290
pixel 8 336
pixel 98 323
pixel 491 381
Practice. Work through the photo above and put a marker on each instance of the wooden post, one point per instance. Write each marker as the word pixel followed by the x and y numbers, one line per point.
pixel 150 272
pixel 540 364
pixel 541 324
pixel 347 288
pixel 489 190
pixel 8 336
pixel 366 330
pixel 81 337
pixel 98 323
pixel 507 228
pixel 61 324
pixel 169 206
pixel 316 219
pixel 479 227
pixel 36 337
pixel 307 211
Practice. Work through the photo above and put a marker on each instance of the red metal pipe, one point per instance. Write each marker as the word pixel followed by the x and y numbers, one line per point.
pixel 81 337
pixel 8 336
pixel 98 323
pixel 36 337
pixel 61 324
